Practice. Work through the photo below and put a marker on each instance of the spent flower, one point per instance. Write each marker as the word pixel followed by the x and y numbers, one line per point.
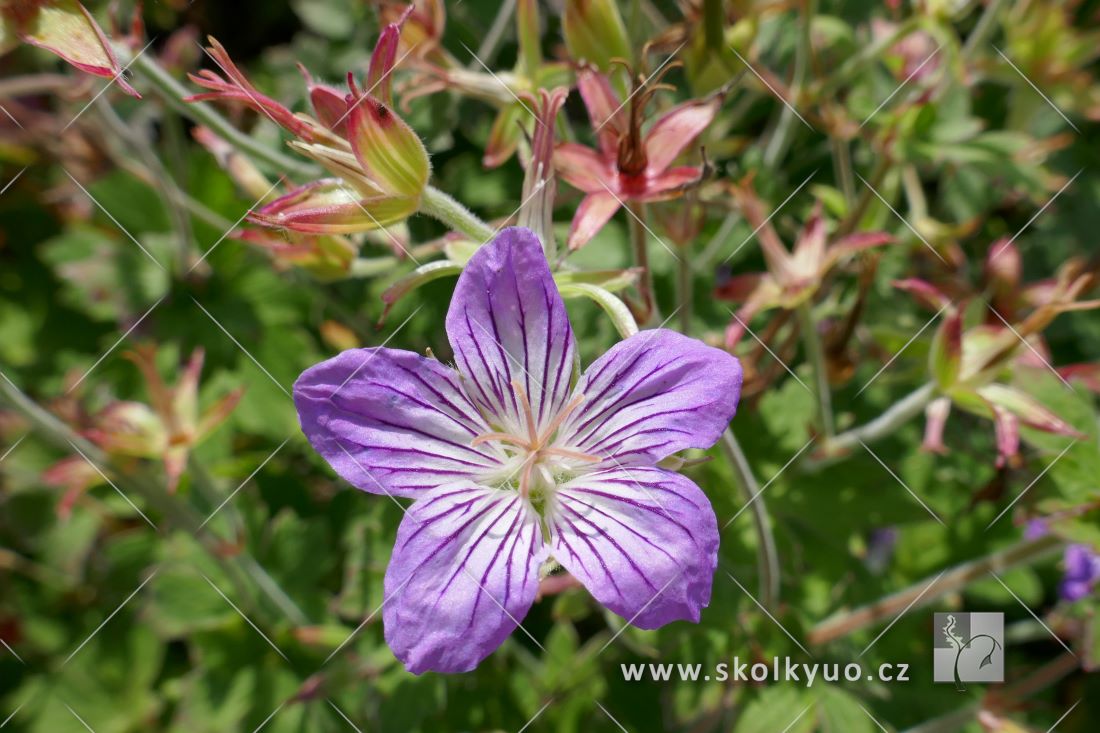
pixel 512 458
pixel 166 429
pixel 629 164
pixel 975 367
pixel 793 277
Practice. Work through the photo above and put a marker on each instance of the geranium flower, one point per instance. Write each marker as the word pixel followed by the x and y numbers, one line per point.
pixel 629 165
pixel 510 463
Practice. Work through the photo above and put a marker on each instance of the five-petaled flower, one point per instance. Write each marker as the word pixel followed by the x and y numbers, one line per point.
pixel 511 463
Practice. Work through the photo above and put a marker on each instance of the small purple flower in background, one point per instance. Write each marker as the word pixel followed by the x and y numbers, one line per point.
pixel 509 462
pixel 1082 572
pixel 1081 563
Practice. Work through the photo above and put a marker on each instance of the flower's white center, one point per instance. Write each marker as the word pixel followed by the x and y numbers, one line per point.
pixel 537 448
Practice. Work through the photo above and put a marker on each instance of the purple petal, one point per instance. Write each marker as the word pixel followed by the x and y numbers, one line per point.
pixel 651 395
pixel 643 541
pixel 1082 564
pixel 464 573
pixel 508 323
pixel 1036 528
pixel 392 421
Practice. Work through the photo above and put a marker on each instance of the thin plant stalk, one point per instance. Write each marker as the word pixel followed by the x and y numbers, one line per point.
pixel 855 215
pixel 173 92
pixel 928 590
pixel 882 426
pixel 842 162
pixel 639 241
pixel 685 291
pixel 815 352
pixel 767 557
pixel 983 29
pixel 159 176
pixel 784 129
pixel 445 208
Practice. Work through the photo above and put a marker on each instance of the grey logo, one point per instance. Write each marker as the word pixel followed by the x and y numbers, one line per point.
pixel 969 647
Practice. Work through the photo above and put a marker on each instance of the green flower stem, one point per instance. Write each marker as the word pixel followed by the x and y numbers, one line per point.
pixel 179 515
pixel 767 556
pixel 639 244
pixel 811 341
pixel 982 30
pixel 788 121
pixel 159 176
pixel 842 162
pixel 445 208
pixel 851 221
pixel 685 291
pixel 885 424
pixel 927 590
pixel 173 93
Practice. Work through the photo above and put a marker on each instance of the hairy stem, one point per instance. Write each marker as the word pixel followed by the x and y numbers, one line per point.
pixel 882 426
pixel 767 556
pixel 811 341
pixel 445 208
pixel 928 590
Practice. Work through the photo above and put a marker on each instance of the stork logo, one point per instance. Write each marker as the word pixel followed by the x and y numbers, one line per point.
pixel 969 647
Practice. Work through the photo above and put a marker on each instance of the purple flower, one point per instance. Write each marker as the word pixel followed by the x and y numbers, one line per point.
pixel 510 463
pixel 1082 572
pixel 1035 528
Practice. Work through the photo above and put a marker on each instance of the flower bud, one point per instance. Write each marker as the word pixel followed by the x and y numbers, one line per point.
pixel 945 358
pixel 388 150
pixel 330 206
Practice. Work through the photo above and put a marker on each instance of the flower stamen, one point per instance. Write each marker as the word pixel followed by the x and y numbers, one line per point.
pixel 503 438
pixel 536 443
pixel 568 453
pixel 528 414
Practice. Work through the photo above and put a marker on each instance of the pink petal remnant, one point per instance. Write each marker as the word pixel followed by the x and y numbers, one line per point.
pixel 67 29
pixel 234 86
pixel 509 463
